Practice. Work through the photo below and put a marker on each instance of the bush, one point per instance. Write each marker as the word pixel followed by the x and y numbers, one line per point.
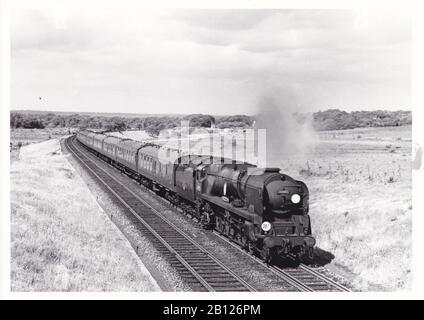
pixel 334 119
pixel 200 120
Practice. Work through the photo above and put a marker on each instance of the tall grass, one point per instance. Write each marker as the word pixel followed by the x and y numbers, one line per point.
pixel 361 206
pixel 60 238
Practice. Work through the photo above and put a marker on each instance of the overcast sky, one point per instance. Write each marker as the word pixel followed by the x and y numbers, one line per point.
pixel 129 59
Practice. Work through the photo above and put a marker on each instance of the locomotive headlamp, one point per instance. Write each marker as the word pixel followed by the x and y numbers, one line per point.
pixel 295 198
pixel 266 226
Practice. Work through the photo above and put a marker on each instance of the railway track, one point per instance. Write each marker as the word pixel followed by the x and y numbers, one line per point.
pixel 303 277
pixel 198 268
pixel 195 265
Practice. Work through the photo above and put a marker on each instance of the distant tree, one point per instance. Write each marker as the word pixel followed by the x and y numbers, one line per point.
pixel 200 120
pixel 16 120
pixel 32 123
pixel 115 124
pixel 241 121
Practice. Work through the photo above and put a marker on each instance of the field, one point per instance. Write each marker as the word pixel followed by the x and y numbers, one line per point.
pixel 28 136
pixel 61 240
pixel 22 137
pixel 361 203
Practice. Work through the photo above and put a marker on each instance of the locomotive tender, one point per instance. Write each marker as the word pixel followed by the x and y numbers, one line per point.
pixel 261 209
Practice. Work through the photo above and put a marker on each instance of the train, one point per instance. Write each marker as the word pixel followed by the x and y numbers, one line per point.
pixel 263 210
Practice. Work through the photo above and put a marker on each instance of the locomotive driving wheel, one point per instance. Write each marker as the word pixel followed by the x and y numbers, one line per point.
pixel 219 225
pixel 266 255
pixel 205 220
pixel 244 241
pixel 250 247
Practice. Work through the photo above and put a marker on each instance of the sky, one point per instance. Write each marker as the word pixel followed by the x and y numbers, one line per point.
pixel 85 56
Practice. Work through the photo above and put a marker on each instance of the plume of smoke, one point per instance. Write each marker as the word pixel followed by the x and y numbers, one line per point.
pixel 288 134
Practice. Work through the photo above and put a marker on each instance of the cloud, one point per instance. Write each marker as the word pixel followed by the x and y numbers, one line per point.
pixel 218 61
pixel 221 19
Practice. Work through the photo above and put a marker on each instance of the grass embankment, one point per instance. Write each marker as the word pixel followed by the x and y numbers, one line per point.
pixel 60 238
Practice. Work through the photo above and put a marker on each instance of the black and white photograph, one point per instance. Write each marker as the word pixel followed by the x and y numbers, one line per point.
pixel 159 149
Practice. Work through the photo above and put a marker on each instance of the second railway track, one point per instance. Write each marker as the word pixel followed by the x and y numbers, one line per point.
pixel 195 265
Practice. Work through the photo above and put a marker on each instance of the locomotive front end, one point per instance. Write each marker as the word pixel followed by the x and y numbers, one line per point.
pixel 286 226
pixel 267 210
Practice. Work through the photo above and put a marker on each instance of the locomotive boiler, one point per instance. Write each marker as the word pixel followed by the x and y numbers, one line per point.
pixel 260 208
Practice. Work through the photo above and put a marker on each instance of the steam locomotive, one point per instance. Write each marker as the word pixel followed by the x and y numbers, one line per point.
pixel 262 210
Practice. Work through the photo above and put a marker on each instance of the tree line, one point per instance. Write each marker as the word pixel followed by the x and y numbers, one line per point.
pixel 335 119
pixel 152 124
pixel 332 119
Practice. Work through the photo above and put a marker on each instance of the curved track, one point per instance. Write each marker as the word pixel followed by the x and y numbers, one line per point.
pixel 197 267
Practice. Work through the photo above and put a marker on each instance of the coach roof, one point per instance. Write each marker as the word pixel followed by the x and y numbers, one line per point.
pixel 130 145
pixel 160 153
pixel 100 136
pixel 112 140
